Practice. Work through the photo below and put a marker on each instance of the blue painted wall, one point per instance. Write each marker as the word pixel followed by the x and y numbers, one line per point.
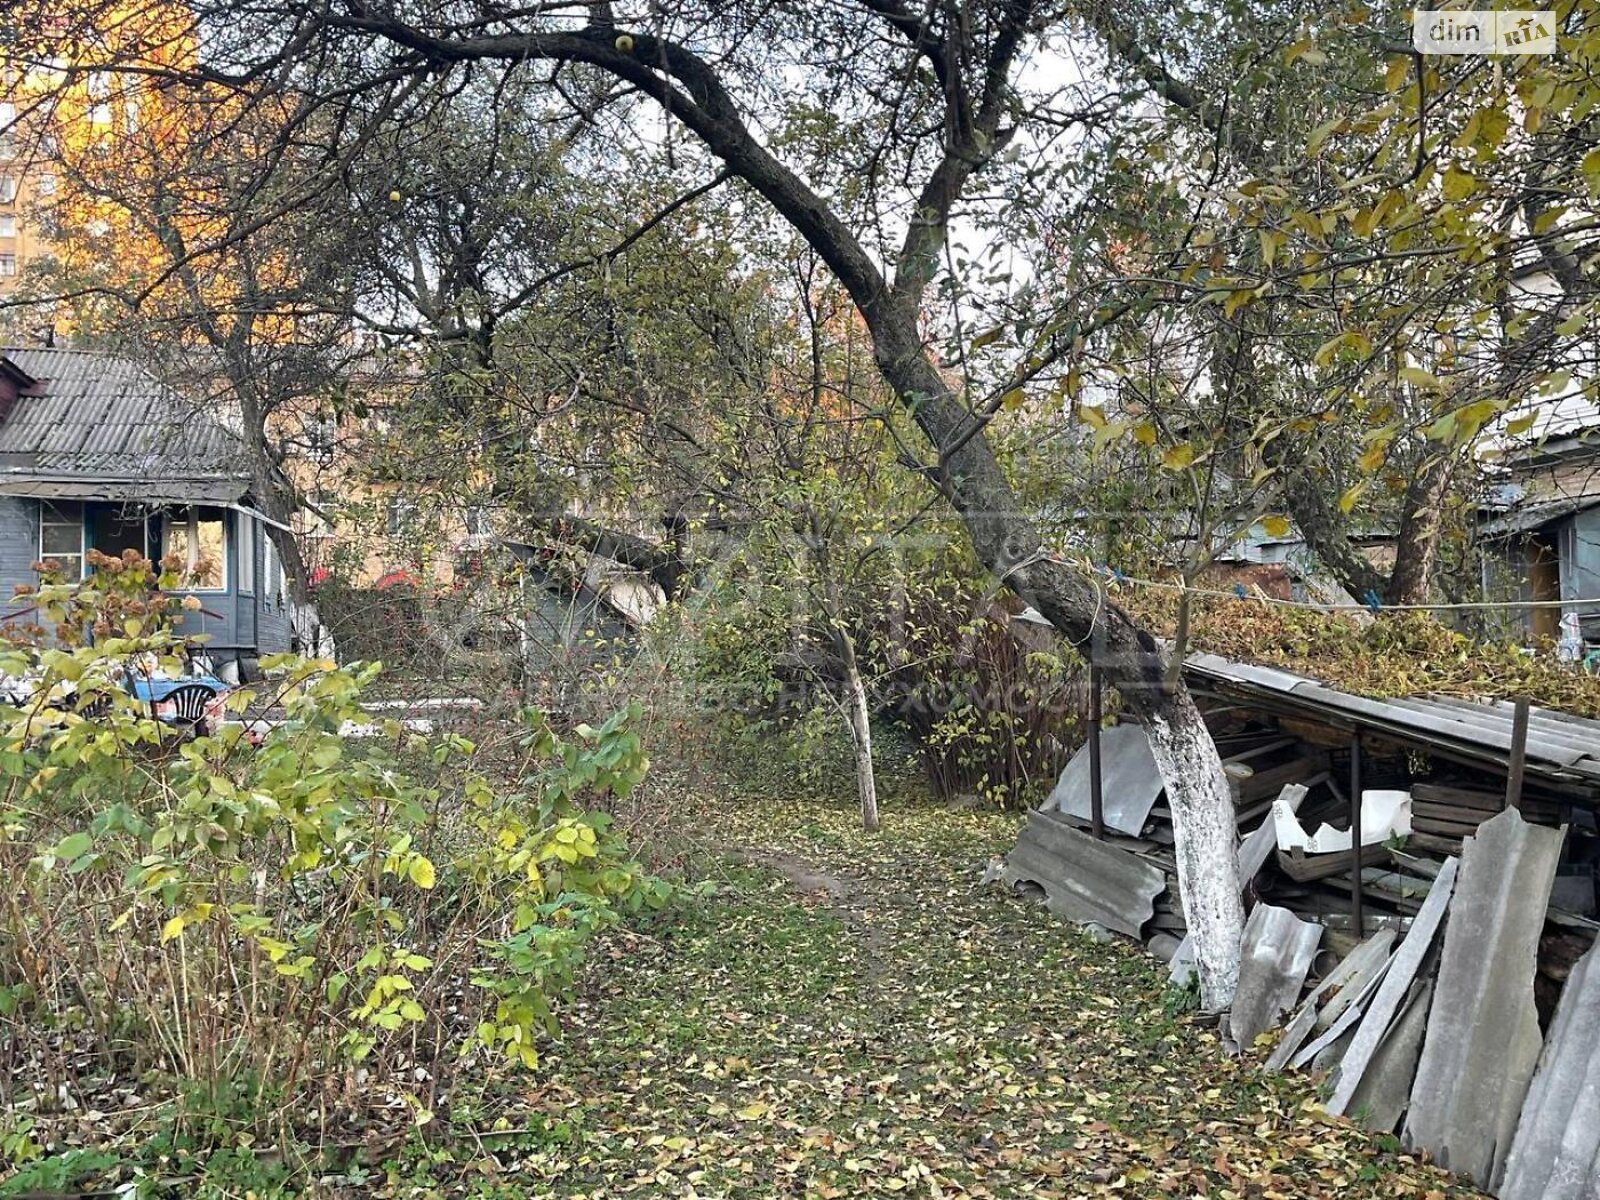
pixel 233 622
pixel 1580 567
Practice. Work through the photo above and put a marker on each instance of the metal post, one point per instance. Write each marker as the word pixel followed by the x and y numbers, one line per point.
pixel 1097 816
pixel 1356 885
pixel 1519 753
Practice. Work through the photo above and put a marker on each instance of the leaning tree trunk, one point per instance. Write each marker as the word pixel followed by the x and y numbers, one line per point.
pixel 977 106
pixel 1131 660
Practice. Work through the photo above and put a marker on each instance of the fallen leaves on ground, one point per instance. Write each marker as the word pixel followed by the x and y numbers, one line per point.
pixel 903 1032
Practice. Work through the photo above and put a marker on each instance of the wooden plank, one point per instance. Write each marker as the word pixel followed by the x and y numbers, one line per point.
pixel 1450 812
pixel 1391 990
pixel 1435 793
pixel 1257 751
pixel 1269 782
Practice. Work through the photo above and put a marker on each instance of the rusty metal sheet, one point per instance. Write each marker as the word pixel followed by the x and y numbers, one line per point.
pixel 1392 991
pixel 1084 880
pixel 1277 953
pixel 1129 781
pixel 1556 1152
pixel 1483 1037
pixel 1348 979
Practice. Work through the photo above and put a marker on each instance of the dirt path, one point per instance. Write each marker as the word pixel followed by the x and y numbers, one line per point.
pixel 851 1016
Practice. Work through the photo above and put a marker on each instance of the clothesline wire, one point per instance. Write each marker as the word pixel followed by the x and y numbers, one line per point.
pixel 1354 606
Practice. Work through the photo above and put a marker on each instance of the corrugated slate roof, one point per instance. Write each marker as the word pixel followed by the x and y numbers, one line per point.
pixel 1560 745
pixel 100 416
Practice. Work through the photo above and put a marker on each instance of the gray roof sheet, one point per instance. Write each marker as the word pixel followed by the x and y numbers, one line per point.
pixel 100 415
pixel 1520 520
pixel 1084 880
pixel 1483 1039
pixel 1556 1152
pixel 166 490
pixel 1560 745
pixel 1130 782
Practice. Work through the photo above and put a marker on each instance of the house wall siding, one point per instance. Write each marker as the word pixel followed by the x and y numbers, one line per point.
pixel 230 622
pixel 1581 568
pixel 272 602
pixel 19 547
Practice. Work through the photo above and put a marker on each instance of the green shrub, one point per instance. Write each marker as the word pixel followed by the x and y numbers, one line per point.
pixel 259 928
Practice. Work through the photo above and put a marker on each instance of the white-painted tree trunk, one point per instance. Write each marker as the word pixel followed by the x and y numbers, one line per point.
pixel 1206 843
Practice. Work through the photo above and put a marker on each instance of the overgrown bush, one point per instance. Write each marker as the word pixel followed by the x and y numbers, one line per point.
pixel 265 937
pixel 996 708
pixel 992 710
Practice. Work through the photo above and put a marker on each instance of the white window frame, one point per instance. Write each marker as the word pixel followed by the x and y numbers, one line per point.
pixel 246 535
pixel 322 440
pixel 8 225
pixel 8 266
pixel 8 189
pixel 192 520
pixel 400 517
pixel 45 508
pixel 269 569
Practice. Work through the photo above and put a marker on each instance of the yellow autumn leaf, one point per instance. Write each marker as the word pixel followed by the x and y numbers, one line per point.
pixel 1178 457
pixel 1421 378
pixel 753 1111
pixel 1275 525
pixel 1521 424
pixel 421 872
pixel 1458 184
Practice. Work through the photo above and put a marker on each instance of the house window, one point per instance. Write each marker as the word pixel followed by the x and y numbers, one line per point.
pixel 400 517
pixel 247 553
pixel 197 538
pixel 46 185
pixel 61 537
pixel 8 226
pixel 322 435
pixel 477 521
pixel 321 515
pixel 8 265
pixel 271 573
pixel 8 189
